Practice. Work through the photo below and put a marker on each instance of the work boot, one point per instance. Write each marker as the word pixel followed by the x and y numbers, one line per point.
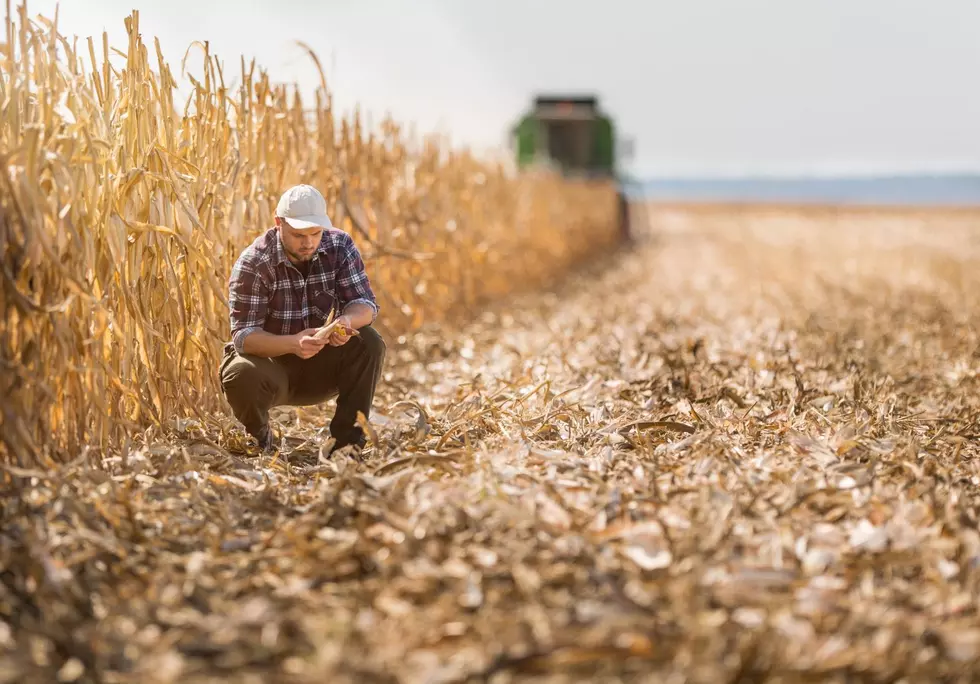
pixel 267 440
pixel 352 446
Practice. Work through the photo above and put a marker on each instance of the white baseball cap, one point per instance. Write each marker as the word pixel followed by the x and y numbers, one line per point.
pixel 302 206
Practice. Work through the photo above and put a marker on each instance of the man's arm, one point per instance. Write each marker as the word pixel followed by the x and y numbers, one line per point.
pixel 354 289
pixel 359 315
pixel 262 343
pixel 360 308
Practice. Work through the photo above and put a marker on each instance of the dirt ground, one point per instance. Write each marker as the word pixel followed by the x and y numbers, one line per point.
pixel 744 449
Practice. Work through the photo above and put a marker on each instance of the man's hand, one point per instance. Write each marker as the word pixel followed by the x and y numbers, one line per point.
pixel 307 346
pixel 342 333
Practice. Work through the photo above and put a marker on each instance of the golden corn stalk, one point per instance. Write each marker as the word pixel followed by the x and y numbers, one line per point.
pixel 123 210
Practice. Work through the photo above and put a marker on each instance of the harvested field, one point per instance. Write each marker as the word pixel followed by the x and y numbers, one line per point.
pixel 744 451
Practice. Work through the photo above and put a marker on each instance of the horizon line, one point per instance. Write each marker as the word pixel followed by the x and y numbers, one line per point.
pixel 802 172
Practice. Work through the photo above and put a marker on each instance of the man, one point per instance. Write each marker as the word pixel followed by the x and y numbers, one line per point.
pixel 284 286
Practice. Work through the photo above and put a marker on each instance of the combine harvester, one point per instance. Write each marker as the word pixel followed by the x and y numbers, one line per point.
pixel 573 136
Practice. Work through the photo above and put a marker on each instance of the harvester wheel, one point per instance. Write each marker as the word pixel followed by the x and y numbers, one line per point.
pixel 624 217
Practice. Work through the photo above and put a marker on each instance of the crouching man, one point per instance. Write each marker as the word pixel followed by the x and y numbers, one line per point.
pixel 284 286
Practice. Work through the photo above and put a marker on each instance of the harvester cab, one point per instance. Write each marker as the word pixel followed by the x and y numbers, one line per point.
pixel 573 136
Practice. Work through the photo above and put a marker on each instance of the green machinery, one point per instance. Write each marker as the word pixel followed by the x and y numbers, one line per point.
pixel 572 135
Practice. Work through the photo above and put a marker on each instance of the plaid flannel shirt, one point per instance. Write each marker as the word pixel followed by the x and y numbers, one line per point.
pixel 267 292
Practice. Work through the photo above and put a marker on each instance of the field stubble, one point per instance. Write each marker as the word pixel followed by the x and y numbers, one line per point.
pixel 744 451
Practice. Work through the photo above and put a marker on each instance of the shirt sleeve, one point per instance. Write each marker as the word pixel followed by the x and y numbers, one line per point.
pixel 248 302
pixel 353 286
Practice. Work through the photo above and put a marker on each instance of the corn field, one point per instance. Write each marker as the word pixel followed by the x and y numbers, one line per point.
pixel 123 211
pixel 743 450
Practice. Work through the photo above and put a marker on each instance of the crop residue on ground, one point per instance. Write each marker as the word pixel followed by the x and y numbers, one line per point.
pixel 746 448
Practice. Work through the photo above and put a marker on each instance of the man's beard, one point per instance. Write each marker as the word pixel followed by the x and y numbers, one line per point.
pixel 299 257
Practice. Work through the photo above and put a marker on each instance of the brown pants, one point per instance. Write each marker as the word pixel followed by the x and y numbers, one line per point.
pixel 254 384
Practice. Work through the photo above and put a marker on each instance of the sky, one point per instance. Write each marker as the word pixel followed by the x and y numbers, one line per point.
pixel 701 87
